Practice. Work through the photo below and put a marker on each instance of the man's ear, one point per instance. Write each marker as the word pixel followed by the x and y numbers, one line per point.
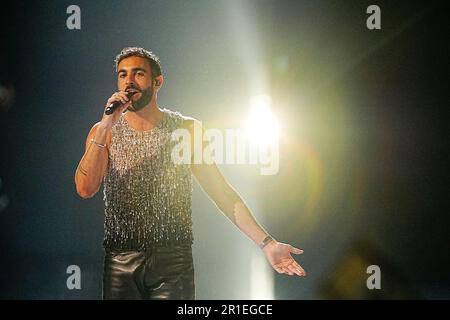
pixel 158 81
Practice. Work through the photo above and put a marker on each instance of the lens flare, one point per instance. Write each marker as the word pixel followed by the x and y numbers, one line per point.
pixel 261 127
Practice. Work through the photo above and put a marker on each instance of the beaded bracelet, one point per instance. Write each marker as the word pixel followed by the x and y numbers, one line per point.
pixel 98 144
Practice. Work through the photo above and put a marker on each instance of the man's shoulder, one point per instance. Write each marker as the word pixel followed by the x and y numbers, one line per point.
pixel 189 119
pixel 187 122
pixel 190 122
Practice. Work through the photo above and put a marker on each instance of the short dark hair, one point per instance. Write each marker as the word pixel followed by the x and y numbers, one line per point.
pixel 155 64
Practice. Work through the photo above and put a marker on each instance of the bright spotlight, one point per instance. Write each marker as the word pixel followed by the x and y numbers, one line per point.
pixel 261 127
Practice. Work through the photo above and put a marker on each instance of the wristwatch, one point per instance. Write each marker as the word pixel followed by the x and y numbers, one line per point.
pixel 265 242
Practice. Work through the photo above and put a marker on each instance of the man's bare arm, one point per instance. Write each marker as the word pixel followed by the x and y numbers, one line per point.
pixel 93 165
pixel 223 194
pixel 228 200
pixel 232 205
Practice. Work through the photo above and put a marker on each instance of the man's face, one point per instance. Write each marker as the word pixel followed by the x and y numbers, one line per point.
pixel 134 74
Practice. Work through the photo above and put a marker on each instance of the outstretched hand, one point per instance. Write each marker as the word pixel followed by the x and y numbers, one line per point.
pixel 279 256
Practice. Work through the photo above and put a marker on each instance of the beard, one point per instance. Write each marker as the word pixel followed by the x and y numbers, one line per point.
pixel 146 97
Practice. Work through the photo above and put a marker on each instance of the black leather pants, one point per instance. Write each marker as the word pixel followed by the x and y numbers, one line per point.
pixel 162 273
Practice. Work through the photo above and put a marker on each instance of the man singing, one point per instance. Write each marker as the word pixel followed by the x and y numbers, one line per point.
pixel 148 225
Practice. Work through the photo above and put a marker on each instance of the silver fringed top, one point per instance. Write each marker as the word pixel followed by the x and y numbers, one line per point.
pixel 147 197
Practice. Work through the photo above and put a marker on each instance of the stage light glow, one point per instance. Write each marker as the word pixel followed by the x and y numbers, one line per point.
pixel 261 127
pixel 261 278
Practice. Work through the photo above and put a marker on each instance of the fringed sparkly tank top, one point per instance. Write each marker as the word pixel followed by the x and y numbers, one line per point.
pixel 147 197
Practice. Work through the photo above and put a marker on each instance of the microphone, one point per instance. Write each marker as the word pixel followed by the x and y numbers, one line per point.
pixel 116 104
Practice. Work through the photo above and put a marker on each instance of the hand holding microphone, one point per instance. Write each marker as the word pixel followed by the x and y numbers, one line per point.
pixel 115 105
pixel 119 101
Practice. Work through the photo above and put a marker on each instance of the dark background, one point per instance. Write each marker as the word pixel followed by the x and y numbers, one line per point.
pixel 362 177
